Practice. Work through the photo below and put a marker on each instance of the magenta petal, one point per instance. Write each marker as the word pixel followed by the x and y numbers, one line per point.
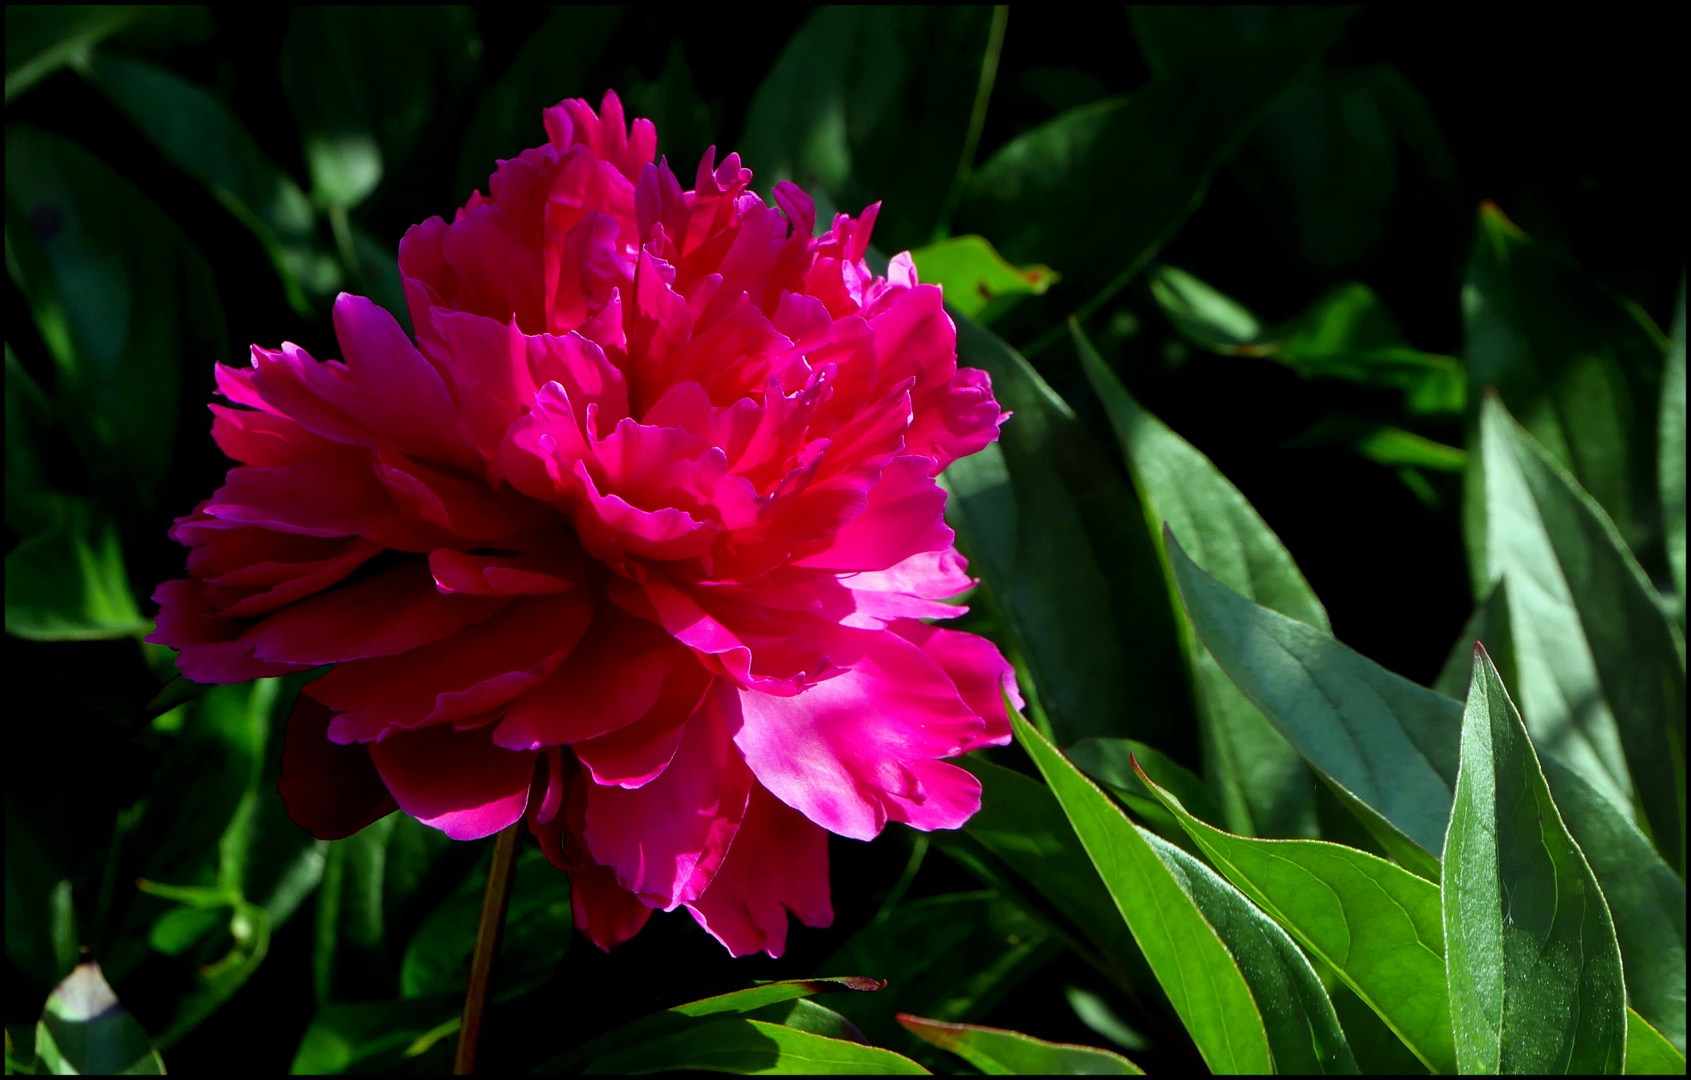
pixel 905 517
pixel 778 863
pixel 605 912
pixel 666 839
pixel 981 674
pixel 456 781
pixel 331 791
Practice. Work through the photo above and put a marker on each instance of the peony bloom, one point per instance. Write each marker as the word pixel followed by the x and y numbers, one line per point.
pixel 636 540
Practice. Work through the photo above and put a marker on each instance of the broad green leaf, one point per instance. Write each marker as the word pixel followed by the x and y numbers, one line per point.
pixel 1647 1052
pixel 40 39
pixel 954 956
pixel 66 581
pixel 369 86
pixel 1303 1031
pixel 1376 925
pixel 1110 762
pixel 84 1030
pixel 632 1039
pixel 552 65
pixel 976 279
pixel 1192 963
pixel 751 1047
pixel 1386 744
pixel 1577 364
pixel 1672 438
pixel 1532 962
pixel 119 296
pixel 997 1052
pixel 1049 524
pixel 537 930
pixel 873 103
pixel 203 137
pixel 1346 334
pixel 1264 786
pixel 1022 829
pixel 1602 669
pixel 806 1015
pixel 375 1036
pixel 1097 190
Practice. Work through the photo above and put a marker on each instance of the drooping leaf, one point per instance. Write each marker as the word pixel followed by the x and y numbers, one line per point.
pixel 1577 364
pixel 976 279
pixel 1601 667
pixel 997 1052
pixel 370 1036
pixel 1049 524
pixel 1376 925
pixel 1672 438
pixel 955 956
pixel 1263 784
pixel 203 137
pixel 1192 963
pixel 872 103
pixel 67 582
pixel 1533 965
pixel 119 296
pixel 1347 334
pixel 1100 188
pixel 84 1030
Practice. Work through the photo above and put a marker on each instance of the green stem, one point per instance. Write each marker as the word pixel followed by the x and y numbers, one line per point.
pixel 977 120
pixel 493 905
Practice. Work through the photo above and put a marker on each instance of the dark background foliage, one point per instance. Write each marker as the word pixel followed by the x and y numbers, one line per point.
pixel 1566 124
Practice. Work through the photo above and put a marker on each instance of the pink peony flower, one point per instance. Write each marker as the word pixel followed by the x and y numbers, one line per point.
pixel 636 540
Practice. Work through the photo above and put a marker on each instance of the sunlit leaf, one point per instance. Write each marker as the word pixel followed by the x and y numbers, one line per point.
pixel 1376 925
pixel 84 1030
pixel 67 582
pixel 1534 969
pixel 976 279
pixel 1601 668
pixel 1110 762
pixel 1200 976
pixel 997 1052
pixel 1647 1052
pixel 368 1036
pixel 1262 783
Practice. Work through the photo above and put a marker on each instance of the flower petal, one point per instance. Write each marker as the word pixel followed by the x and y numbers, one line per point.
pixel 330 790
pixel 778 863
pixel 456 781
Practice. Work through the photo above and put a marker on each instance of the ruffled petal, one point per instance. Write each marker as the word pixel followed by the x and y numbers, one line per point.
pixel 456 781
pixel 778 864
pixel 330 790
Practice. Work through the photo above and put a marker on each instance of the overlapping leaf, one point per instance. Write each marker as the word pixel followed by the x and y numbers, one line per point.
pixel 997 1052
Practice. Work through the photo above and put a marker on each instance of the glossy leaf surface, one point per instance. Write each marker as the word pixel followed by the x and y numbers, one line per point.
pixel 997 1052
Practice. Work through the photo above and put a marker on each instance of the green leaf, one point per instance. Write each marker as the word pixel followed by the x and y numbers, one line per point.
pixel 1192 963
pixel 997 1052
pixel 119 296
pixel 1385 744
pixel 1577 364
pixel 537 932
pixel 751 1047
pixel 955 956
pixel 1532 962
pixel 1110 762
pixel 1345 334
pixel 1602 668
pixel 1022 829
pixel 42 39
pixel 1100 188
pixel 1049 525
pixel 1672 438
pixel 1263 784
pixel 1376 925
pixel 628 1044
pixel 66 581
pixel 976 279
pixel 873 103
pixel 84 1030
pixel 369 86
pixel 202 136
pixel 553 64
pixel 41 937
pixel 1303 1031
pixel 375 1036
pixel 1647 1052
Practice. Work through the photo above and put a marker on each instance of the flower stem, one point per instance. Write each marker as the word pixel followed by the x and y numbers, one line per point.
pixel 493 905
